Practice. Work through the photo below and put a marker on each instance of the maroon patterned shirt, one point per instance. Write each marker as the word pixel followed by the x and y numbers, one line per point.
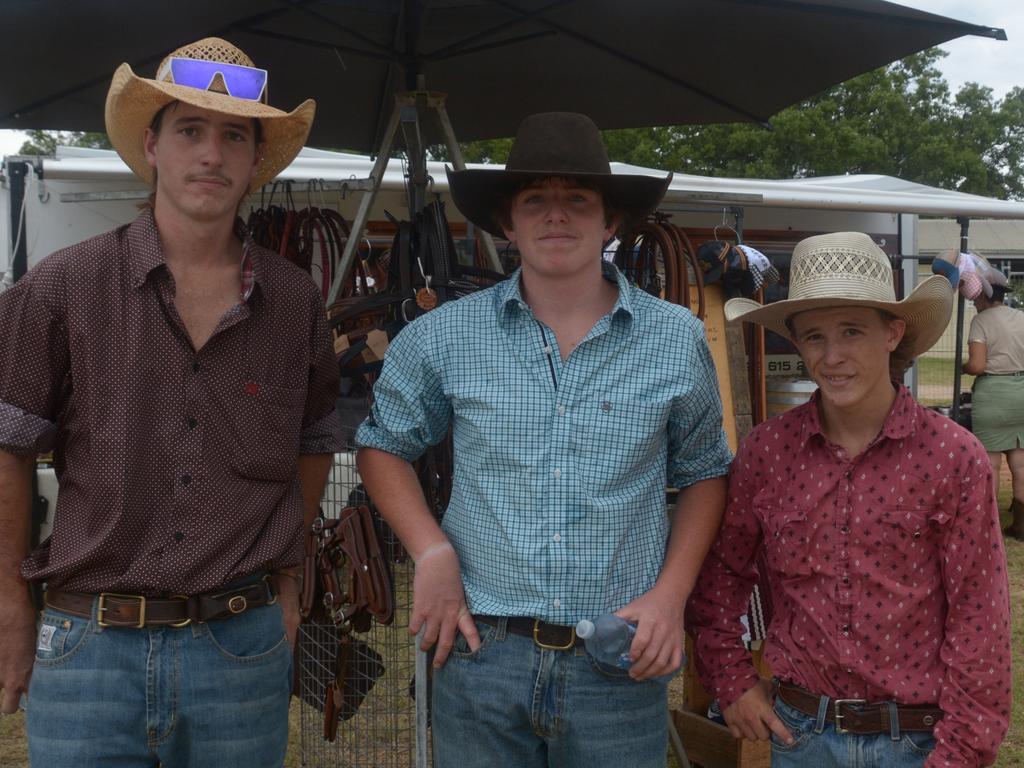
pixel 177 468
pixel 887 573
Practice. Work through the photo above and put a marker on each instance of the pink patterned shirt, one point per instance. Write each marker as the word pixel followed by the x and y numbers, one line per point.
pixel 887 573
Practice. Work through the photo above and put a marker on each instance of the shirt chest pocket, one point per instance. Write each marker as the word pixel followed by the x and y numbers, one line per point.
pixel 908 542
pixel 619 440
pixel 788 540
pixel 269 426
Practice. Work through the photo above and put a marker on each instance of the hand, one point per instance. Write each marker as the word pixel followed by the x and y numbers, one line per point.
pixel 286 587
pixel 17 650
pixel 439 603
pixel 657 647
pixel 752 717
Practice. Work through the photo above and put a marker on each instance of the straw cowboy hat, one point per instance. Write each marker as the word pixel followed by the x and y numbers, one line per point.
pixel 133 101
pixel 553 144
pixel 847 269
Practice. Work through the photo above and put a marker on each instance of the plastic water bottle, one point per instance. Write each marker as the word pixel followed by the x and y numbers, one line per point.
pixel 608 638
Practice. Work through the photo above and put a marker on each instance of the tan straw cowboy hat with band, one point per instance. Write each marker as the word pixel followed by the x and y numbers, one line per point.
pixel 847 269
pixel 212 74
pixel 553 144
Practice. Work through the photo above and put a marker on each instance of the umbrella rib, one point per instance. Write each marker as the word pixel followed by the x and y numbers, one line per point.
pixel 561 28
pixel 488 46
pixel 318 44
pixel 831 10
pixel 300 6
pixel 525 16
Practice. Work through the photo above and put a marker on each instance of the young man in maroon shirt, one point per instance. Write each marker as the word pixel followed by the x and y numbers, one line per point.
pixel 890 637
pixel 185 380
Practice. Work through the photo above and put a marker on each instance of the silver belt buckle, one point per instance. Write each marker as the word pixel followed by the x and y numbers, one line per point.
pixel 838 717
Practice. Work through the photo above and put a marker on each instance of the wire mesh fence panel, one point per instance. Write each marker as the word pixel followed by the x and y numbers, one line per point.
pixel 377 722
pixel 936 368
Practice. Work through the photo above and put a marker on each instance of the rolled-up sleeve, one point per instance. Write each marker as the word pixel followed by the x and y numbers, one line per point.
pixel 410 409
pixel 33 361
pixel 697 447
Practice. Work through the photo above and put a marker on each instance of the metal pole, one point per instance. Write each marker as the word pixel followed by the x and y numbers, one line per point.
pixel 460 165
pixel 422 701
pixel 363 214
pixel 16 171
pixel 965 225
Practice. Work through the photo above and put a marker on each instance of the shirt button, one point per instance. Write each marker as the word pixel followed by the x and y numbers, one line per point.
pixel 845 529
pixel 846 579
pixel 557 537
pixel 178 535
pixel 846 629
pixel 606 406
pixel 186 479
pixel 195 366
pixel 192 423
pixel 556 603
pixel 561 410
pixel 557 474
pixel 547 350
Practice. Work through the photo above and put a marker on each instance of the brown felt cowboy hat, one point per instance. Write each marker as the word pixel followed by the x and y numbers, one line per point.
pixel 553 144
pixel 847 269
pixel 133 101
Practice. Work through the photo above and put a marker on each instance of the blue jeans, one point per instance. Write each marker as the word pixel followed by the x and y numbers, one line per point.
pixel 213 694
pixel 514 703
pixel 816 743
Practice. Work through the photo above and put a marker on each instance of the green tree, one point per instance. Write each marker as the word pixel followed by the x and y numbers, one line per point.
pixel 46 142
pixel 900 120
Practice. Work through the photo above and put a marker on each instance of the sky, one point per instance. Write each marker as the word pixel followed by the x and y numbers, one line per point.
pixel 996 64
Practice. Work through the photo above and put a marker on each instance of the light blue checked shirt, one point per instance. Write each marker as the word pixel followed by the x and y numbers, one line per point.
pixel 557 509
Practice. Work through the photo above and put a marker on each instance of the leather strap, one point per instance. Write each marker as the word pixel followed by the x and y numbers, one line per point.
pixel 858 717
pixel 549 636
pixel 137 611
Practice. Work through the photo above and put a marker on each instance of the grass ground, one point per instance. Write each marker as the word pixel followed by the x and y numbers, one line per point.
pixel 13 750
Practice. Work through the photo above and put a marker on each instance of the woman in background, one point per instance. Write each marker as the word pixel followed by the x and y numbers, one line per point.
pixel 996 357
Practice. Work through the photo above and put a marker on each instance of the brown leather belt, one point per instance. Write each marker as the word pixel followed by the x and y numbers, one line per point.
pixel 137 611
pixel 857 716
pixel 551 637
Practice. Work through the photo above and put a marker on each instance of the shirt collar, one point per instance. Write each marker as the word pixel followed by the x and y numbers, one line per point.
pixel 510 297
pixel 146 253
pixel 900 422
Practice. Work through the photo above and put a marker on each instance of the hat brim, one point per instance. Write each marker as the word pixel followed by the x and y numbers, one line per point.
pixel 133 101
pixel 926 312
pixel 479 193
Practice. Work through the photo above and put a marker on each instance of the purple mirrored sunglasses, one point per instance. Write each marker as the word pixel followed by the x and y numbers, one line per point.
pixel 241 82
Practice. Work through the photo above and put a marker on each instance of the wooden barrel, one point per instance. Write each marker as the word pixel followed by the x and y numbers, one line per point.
pixel 785 393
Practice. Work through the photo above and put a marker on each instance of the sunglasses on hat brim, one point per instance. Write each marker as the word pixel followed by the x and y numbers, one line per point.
pixel 241 82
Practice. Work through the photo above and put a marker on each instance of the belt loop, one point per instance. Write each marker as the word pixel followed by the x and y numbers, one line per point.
pixel 501 630
pixel 894 720
pixel 819 724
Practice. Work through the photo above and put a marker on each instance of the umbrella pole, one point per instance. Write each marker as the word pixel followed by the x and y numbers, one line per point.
pixel 965 225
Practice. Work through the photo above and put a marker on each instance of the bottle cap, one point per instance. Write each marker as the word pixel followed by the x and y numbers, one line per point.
pixel 584 629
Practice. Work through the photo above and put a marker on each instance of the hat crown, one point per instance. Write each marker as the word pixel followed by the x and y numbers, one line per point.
pixel 840 265
pixel 208 49
pixel 558 143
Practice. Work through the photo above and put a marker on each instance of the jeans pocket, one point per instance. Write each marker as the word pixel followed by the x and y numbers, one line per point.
pixel 60 637
pixel 919 743
pixel 460 647
pixel 799 725
pixel 252 636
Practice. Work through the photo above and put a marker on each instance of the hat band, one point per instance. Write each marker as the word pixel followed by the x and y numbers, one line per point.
pixel 240 82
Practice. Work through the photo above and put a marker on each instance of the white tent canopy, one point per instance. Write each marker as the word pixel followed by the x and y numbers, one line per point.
pixel 862 192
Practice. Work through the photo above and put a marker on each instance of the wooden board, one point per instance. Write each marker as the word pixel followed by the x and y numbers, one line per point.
pixel 723 352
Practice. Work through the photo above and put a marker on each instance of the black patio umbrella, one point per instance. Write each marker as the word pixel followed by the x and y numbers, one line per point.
pixel 627 64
